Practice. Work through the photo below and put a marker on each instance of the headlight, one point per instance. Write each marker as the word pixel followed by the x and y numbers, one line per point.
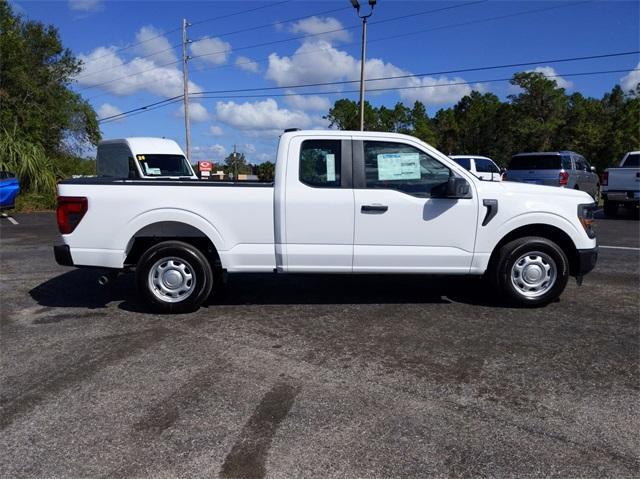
pixel 586 217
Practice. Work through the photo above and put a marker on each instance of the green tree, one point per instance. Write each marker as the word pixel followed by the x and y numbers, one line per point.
pixel 236 164
pixel 35 99
pixel 539 110
pixel 447 131
pixel 266 171
pixel 422 126
pixel 345 115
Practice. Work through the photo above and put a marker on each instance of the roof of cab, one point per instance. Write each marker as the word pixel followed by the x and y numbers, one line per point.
pixel 148 145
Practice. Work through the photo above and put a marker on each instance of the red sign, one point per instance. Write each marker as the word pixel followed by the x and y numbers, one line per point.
pixel 205 166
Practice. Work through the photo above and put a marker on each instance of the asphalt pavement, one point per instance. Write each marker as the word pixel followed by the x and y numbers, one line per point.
pixel 317 376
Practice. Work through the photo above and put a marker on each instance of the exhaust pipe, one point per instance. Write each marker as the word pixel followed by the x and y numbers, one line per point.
pixel 106 278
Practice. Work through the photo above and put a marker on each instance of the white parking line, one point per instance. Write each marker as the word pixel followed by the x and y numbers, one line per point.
pixel 629 248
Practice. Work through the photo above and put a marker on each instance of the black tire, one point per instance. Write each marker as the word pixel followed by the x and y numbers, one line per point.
pixel 184 261
pixel 544 253
pixel 610 208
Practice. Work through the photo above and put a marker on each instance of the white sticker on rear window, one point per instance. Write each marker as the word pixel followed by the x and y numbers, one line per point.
pixel 399 166
pixel 331 167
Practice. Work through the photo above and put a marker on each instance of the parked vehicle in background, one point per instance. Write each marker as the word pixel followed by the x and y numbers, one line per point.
pixel 621 185
pixel 481 166
pixel 142 158
pixel 9 189
pixel 342 202
pixel 566 169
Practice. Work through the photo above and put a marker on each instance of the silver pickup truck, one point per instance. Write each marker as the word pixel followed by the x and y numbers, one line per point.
pixel 621 185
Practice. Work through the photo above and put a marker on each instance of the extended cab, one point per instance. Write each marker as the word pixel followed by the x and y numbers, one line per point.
pixel 621 185
pixel 341 202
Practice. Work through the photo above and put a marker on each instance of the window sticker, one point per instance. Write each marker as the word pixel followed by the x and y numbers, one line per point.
pixel 151 171
pixel 399 166
pixel 331 167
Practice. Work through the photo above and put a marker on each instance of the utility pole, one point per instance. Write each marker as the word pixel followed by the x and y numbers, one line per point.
pixel 185 82
pixel 356 5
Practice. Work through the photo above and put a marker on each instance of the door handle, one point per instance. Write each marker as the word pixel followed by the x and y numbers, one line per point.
pixel 375 209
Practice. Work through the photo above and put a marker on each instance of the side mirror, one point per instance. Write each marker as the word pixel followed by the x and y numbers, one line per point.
pixel 458 188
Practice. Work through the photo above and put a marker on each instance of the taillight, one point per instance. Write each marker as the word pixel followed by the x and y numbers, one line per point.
pixel 605 178
pixel 71 209
pixel 563 179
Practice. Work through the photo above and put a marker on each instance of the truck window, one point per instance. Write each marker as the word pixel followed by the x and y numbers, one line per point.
pixel 632 161
pixel 486 166
pixel 320 162
pixel 402 167
pixel 537 162
pixel 164 165
pixel 464 162
pixel 113 160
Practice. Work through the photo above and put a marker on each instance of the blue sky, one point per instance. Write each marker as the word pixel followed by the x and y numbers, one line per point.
pixel 460 35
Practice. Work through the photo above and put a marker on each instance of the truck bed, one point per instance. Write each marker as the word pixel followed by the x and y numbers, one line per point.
pixel 238 218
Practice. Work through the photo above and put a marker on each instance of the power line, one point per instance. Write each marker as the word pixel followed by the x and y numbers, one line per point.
pixel 145 107
pixel 281 22
pixel 335 30
pixel 262 7
pixel 122 116
pixel 282 41
pixel 414 87
pixel 131 45
pixel 484 20
pixel 442 27
pixel 166 102
pixel 443 72
pixel 162 34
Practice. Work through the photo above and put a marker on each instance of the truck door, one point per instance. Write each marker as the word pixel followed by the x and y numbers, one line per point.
pixel 318 230
pixel 400 226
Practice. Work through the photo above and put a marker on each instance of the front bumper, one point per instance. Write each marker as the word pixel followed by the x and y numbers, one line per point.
pixel 587 259
pixel 63 255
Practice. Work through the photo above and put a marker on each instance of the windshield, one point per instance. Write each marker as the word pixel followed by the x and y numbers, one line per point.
pixel 536 162
pixel 632 161
pixel 164 165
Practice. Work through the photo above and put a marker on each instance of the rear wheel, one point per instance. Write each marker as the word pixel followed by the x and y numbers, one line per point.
pixel 174 277
pixel 610 208
pixel 531 271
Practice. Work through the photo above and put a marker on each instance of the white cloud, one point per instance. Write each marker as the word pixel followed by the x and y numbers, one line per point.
pixel 318 25
pixel 630 81
pixel 247 64
pixel 154 45
pixel 197 112
pixel 107 110
pixel 214 50
pixel 313 62
pixel 308 102
pixel 551 73
pixel 249 148
pixel 261 117
pixel 212 152
pixel 104 69
pixel 85 5
pixel 318 62
pixel 215 130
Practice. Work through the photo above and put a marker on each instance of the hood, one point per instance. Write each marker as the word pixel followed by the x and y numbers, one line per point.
pixel 549 192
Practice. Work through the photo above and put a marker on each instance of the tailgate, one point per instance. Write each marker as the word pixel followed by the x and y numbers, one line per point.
pixel 624 179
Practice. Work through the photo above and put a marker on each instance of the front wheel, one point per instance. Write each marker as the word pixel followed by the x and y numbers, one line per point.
pixel 532 271
pixel 174 277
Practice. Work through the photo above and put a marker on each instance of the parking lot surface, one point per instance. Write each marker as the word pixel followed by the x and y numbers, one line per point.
pixel 317 376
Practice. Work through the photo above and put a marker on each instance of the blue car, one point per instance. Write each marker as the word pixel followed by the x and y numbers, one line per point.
pixel 9 189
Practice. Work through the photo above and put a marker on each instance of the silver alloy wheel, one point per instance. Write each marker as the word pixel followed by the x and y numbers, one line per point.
pixel 533 274
pixel 172 279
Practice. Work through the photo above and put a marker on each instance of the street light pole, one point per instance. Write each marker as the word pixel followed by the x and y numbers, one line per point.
pixel 362 62
pixel 356 5
pixel 185 84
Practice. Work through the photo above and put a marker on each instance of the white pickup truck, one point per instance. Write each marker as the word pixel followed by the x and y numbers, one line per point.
pixel 621 185
pixel 341 202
